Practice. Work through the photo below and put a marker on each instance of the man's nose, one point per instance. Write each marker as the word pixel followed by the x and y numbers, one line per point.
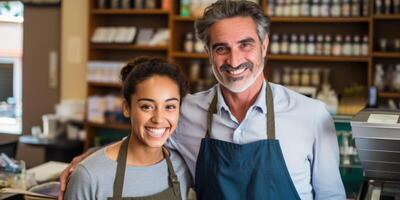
pixel 234 58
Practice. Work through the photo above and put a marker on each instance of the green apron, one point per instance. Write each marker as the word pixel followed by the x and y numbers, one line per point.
pixel 171 193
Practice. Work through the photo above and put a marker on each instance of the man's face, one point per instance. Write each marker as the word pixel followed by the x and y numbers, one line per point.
pixel 236 53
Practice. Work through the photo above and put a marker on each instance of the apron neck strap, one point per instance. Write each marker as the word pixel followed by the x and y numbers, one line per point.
pixel 121 167
pixel 270 113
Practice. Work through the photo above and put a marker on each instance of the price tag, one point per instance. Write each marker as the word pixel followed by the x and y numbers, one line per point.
pixel 383 118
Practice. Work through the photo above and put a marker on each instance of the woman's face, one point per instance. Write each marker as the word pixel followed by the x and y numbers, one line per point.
pixel 154 110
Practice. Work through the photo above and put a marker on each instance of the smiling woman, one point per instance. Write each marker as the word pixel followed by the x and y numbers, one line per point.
pixel 153 90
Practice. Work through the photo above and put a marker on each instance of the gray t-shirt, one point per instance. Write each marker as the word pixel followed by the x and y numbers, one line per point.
pixel 94 178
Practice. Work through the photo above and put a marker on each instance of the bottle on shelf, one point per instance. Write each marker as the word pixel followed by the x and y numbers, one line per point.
pixel 188 43
pixel 275 47
pixel 364 46
pixel 294 45
pixel 356 47
pixel 337 46
pixel 319 46
pixel 311 45
pixel 328 45
pixel 284 47
pixel 336 8
pixel 347 46
pixel 302 44
pixel 396 78
pixel 379 81
pixel 185 8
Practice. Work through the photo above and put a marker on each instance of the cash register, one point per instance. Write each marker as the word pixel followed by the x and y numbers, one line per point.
pixel 377 138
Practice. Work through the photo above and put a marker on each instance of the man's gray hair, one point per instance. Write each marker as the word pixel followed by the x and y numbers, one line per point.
pixel 223 9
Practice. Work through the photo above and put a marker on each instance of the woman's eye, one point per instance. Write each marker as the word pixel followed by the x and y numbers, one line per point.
pixel 170 107
pixel 146 107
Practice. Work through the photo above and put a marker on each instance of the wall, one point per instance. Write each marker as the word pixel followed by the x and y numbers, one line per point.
pixel 74 29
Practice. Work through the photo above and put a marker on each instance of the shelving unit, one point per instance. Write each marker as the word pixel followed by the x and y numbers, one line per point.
pixel 346 70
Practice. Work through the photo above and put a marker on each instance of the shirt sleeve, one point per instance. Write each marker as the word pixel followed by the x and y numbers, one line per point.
pixel 326 180
pixel 80 185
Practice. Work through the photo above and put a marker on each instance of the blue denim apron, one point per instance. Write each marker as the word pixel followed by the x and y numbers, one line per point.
pixel 255 170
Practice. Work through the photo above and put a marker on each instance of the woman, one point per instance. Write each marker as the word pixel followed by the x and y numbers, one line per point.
pixel 139 166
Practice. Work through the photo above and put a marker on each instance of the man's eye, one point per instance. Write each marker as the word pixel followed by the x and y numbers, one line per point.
pixel 221 50
pixel 246 46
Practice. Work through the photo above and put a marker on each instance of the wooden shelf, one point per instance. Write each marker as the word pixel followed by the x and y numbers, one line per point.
pixel 395 95
pixel 127 47
pixel 189 55
pixel 387 17
pixel 116 126
pixel 321 19
pixel 105 84
pixel 180 18
pixel 317 58
pixel 129 12
pixel 386 55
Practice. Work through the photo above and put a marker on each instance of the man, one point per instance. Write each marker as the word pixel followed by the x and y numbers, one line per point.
pixel 246 138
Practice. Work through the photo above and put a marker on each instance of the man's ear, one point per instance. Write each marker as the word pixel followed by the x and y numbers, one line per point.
pixel 264 44
pixel 125 109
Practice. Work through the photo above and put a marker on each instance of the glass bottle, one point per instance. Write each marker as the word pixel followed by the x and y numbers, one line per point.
pixel 194 71
pixel 275 49
pixel 324 8
pixel 198 46
pixel 396 79
pixel 319 46
pixel 364 46
pixel 188 44
pixel 295 77
pixel 379 79
pixel 284 48
pixel 356 46
pixel 294 45
pixel 311 45
pixel 305 77
pixel 279 8
pixel 337 46
pixel 287 8
pixel 387 6
pixel 295 8
pixel 365 7
pixel 315 8
pixel 355 8
pixel 302 44
pixel 378 7
pixel 286 76
pixel 184 9
pixel 328 45
pixel 271 8
pixel 276 76
pixel 347 46
pixel 315 77
pixel 396 6
pixel 336 8
pixel 345 10
pixel 305 8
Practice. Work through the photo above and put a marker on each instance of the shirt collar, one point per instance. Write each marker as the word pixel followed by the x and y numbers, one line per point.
pixel 259 104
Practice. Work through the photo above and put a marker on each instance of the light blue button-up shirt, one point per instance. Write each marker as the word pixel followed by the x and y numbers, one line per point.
pixel 304 129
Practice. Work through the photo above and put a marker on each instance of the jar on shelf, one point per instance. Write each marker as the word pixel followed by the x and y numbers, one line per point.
pixel 276 76
pixel 295 77
pixel 198 46
pixel 355 8
pixel 305 78
pixel 328 45
pixel 275 47
pixel 305 8
pixel 319 46
pixel 337 46
pixel 324 8
pixel 336 8
pixel 379 79
pixel 396 43
pixel 294 45
pixel 315 77
pixel 295 8
pixel 365 8
pixel 315 8
pixel 378 7
pixel 364 46
pixel 287 8
pixel 271 8
pixel 194 71
pixel 396 78
pixel 356 46
pixel 284 47
pixel 347 46
pixel 302 44
pixel 383 44
pixel 346 8
pixel 286 76
pixel 188 43
pixel 311 45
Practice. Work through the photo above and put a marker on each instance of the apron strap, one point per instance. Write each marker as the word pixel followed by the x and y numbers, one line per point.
pixel 120 172
pixel 270 113
pixel 172 177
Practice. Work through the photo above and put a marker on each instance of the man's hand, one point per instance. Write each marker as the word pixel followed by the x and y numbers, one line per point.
pixel 67 172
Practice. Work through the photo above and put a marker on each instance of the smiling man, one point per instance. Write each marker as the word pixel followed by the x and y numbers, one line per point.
pixel 246 138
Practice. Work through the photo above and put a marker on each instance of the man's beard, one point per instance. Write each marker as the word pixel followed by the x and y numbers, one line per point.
pixel 228 68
